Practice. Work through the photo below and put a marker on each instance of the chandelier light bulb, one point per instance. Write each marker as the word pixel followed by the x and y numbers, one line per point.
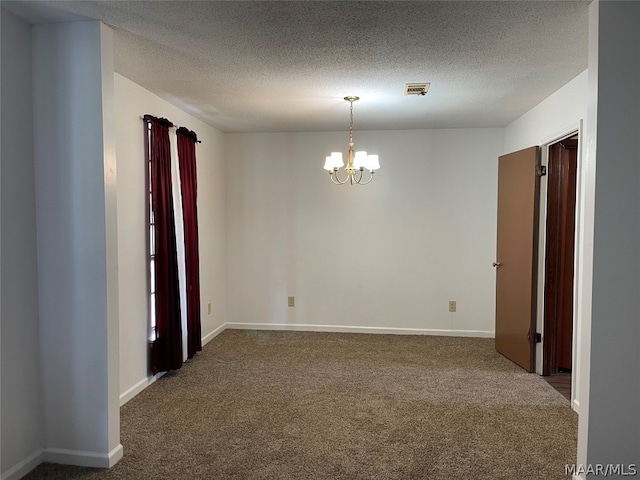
pixel 373 163
pixel 360 160
pixel 334 161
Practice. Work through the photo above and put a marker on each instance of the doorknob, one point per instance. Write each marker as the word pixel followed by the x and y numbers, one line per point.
pixel 496 264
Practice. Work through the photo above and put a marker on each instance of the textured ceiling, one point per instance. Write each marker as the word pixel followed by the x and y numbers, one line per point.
pixel 257 66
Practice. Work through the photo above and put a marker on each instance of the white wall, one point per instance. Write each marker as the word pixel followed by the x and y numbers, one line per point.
pixel 22 413
pixel 77 252
pixel 389 255
pixel 610 425
pixel 131 103
pixel 554 116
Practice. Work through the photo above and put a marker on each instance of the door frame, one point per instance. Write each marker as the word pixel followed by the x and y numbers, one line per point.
pixel 575 129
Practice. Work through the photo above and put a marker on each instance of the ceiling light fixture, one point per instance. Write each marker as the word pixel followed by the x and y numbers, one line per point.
pixel 356 164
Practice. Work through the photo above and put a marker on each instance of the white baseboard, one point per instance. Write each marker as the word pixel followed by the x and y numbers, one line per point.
pixel 210 336
pixel 358 329
pixel 83 458
pixel 138 387
pixel 23 467
pixel 145 382
pixel 66 457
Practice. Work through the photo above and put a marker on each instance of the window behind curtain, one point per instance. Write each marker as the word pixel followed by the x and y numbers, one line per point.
pixel 152 243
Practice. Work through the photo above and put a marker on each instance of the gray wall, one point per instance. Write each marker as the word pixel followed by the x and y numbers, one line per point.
pixel 75 179
pixel 613 420
pixel 22 418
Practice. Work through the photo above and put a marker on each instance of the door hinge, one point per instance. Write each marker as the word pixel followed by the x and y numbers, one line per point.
pixel 538 338
pixel 541 170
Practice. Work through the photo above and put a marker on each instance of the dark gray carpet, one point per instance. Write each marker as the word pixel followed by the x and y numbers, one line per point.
pixel 302 405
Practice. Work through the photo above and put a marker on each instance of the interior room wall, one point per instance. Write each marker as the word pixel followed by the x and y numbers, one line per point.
pixel 559 112
pixel 22 410
pixel 131 103
pixel 76 239
pixel 609 429
pixel 385 257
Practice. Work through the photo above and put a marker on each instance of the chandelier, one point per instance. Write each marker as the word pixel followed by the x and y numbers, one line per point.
pixel 356 164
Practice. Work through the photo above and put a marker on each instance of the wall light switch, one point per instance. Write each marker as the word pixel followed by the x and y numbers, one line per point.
pixel 208 309
pixel 452 305
pixel 292 301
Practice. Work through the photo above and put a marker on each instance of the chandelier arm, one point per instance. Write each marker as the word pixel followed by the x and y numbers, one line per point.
pixel 335 179
pixel 368 181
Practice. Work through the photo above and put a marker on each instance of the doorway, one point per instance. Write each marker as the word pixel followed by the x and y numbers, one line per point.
pixel 528 303
pixel 559 258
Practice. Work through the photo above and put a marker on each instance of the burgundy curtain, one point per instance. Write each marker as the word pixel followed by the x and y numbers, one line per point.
pixel 189 186
pixel 166 353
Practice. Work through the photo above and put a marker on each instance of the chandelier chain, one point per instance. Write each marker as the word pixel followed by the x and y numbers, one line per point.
pixel 351 122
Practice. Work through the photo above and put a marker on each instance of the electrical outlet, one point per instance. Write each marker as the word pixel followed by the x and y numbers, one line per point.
pixel 292 301
pixel 452 305
pixel 208 308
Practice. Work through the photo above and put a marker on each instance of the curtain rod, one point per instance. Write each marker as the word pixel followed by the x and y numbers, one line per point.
pixel 177 127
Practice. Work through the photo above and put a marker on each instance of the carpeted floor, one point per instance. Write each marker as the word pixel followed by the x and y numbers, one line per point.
pixel 303 405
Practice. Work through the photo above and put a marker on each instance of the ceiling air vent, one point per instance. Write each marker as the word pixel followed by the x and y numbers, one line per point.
pixel 416 88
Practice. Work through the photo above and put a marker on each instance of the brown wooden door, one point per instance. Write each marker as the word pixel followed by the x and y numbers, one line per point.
pixel 516 262
pixel 559 249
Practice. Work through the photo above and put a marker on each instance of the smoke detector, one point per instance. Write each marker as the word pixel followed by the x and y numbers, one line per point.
pixel 416 88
